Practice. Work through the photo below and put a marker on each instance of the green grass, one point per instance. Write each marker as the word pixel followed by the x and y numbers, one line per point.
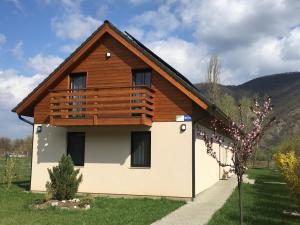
pixel 15 207
pixel 263 202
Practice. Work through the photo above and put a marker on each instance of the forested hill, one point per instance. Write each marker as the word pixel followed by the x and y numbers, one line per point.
pixel 285 91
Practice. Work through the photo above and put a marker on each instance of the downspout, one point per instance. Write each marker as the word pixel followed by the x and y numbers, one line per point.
pixel 193 160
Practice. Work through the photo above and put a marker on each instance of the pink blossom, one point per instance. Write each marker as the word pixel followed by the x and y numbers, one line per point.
pixel 242 142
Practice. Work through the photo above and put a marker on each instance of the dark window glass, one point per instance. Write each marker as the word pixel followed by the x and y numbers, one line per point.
pixel 78 81
pixel 142 78
pixel 140 149
pixel 76 146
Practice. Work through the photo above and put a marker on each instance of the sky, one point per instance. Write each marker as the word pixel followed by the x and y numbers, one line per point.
pixel 251 38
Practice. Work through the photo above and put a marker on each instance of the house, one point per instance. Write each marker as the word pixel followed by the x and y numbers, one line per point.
pixel 125 117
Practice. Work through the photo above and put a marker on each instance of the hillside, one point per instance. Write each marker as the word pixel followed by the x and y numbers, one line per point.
pixel 285 91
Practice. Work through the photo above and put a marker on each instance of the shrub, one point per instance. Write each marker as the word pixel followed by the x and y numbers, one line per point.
pixel 49 192
pixel 9 171
pixel 289 165
pixel 64 179
pixel 87 200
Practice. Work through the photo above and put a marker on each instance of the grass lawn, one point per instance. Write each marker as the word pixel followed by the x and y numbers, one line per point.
pixel 263 202
pixel 14 207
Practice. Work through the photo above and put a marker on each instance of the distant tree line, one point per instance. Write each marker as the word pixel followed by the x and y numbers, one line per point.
pixel 18 145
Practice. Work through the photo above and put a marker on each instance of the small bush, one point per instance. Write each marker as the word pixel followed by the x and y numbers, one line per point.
pixel 9 171
pixel 39 201
pixel 87 200
pixel 64 179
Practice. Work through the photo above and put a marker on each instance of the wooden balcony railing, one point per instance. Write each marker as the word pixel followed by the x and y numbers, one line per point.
pixel 102 106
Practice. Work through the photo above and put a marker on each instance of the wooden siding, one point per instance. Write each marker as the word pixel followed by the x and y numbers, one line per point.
pixel 168 100
pixel 117 71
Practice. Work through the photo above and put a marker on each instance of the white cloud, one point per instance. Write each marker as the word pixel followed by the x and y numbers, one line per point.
pixel 2 39
pixel 44 64
pixel 160 22
pixel 252 38
pixel 136 32
pixel 74 26
pixel 11 126
pixel 102 11
pixel 186 57
pixel 69 48
pixel 268 55
pixel 226 24
pixel 291 45
pixel 14 86
pixel 17 51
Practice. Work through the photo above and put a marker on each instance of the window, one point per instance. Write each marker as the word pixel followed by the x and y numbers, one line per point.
pixel 141 77
pixel 140 149
pixel 76 146
pixel 77 83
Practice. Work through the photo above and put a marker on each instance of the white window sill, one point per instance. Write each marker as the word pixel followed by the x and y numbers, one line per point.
pixel 139 167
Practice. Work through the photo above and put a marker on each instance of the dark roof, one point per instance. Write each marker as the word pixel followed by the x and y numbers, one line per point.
pixel 151 55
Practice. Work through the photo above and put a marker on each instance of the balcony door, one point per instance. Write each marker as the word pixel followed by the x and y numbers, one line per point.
pixel 78 84
pixel 140 79
pixel 77 81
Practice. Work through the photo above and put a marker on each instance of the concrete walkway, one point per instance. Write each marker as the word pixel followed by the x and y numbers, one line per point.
pixel 203 207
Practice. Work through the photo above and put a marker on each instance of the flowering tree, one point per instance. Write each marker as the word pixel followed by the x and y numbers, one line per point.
pixel 243 140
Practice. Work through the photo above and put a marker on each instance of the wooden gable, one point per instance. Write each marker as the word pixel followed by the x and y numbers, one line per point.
pixel 117 72
pixel 171 98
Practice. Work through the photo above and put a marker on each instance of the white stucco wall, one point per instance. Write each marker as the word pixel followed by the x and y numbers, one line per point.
pixel 107 159
pixel 207 170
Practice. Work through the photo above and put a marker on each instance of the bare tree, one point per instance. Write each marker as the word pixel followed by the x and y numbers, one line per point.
pixel 213 79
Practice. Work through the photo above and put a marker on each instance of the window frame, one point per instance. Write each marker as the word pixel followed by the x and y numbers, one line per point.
pixel 134 71
pixel 77 74
pixel 132 164
pixel 68 152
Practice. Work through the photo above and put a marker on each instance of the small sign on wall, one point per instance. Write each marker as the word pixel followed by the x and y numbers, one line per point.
pixel 183 118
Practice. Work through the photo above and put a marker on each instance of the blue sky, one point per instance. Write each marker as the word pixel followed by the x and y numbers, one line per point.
pixel 251 38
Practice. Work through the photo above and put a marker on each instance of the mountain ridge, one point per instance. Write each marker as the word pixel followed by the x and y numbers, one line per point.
pixel 285 91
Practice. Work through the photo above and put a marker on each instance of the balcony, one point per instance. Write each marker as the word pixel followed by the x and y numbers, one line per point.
pixel 102 106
